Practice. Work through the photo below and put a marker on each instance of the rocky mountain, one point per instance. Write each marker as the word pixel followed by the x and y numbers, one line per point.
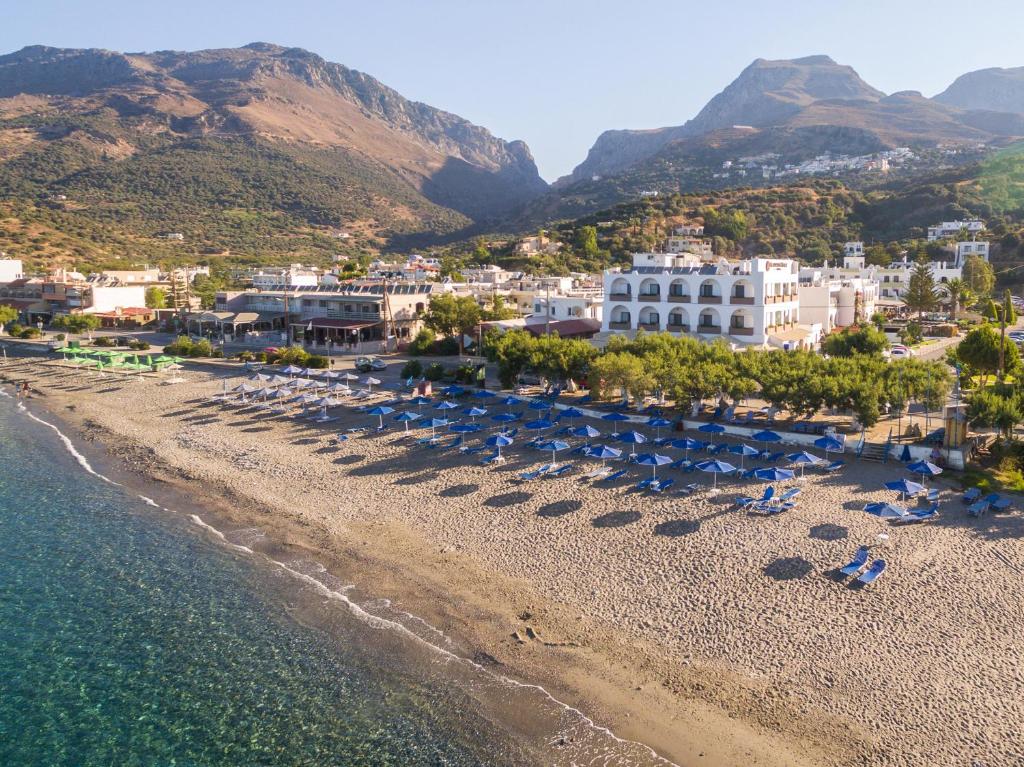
pixel 996 90
pixel 277 133
pixel 794 109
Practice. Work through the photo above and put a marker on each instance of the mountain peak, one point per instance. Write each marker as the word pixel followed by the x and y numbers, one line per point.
pixel 994 89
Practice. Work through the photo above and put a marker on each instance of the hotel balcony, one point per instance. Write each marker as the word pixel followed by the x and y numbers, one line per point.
pixel 677 327
pixel 649 297
pixel 651 326
pixel 620 297
pixel 674 298
pixel 734 331
pixel 709 299
pixel 744 300
pixel 618 326
pixel 709 330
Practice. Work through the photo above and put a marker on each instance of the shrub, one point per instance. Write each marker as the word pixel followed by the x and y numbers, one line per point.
pixel 316 361
pixel 104 341
pixel 14 329
pixel 423 343
pixel 30 333
pixel 412 369
pixel 464 373
pixel 434 371
pixel 261 356
pixel 137 344
pixel 447 347
pixel 59 337
pixel 246 356
pixel 292 355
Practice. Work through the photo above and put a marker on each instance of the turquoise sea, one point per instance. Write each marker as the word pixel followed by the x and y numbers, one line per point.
pixel 133 634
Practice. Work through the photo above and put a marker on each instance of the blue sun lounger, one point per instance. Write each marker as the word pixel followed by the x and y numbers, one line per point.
pixel 693 487
pixel 565 468
pixel 613 476
pixel 493 458
pixel 971 494
pixel 978 508
pixel 920 515
pixel 528 475
pixel 643 484
pixel 857 563
pixel 661 485
pixel 871 575
pixel 996 502
pixel 772 457
pixel 834 466
pixel 745 500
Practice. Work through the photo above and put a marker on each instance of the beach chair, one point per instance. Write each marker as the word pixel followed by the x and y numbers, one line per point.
pixel 688 489
pixel 857 563
pixel 661 485
pixel 495 457
pixel 978 508
pixel 356 430
pixel 645 483
pixel 748 474
pixel 613 476
pixel 562 470
pixel 871 575
pixel 769 508
pixel 971 495
pixel 604 471
pixel 789 495
pixel 933 496
pixel 745 500
pixel 834 466
pixel 526 476
pixel 772 457
pixel 920 515
pixel 472 450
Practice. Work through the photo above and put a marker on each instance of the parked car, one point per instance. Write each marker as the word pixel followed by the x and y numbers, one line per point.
pixel 900 352
pixel 366 364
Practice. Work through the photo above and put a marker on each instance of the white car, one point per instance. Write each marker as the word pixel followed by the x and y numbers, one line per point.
pixel 900 353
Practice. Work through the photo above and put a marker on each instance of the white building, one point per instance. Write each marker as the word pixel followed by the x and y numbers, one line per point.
pixel 110 298
pixel 751 302
pixel 953 228
pixel 294 276
pixel 11 269
pixel 961 250
pixel 837 298
pixel 578 304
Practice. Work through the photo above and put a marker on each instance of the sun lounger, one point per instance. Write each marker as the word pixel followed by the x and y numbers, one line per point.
pixel 789 495
pixel 857 563
pixel 920 515
pixel 565 468
pixel 871 575
pixel 661 485
pixel 933 496
pixel 978 508
pixel 472 450
pixel 834 466
pixel 690 488
pixel 645 483
pixel 495 457
pixel 528 475
pixel 326 419
pixel 456 442
pixel 745 500
pixel 604 471
pixel 748 474
pixel 772 457
pixel 613 476
pixel 772 507
pixel 356 430
pixel 971 495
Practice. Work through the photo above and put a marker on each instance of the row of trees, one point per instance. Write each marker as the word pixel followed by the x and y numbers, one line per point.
pixel 685 370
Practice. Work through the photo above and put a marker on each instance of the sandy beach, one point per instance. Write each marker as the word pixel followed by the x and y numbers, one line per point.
pixel 715 636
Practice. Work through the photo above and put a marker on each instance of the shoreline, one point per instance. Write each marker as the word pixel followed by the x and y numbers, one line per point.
pixel 760 671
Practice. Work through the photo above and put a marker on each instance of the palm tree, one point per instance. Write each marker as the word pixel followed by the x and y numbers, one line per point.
pixel 960 295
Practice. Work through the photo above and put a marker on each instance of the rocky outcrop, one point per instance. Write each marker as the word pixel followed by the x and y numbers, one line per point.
pixel 995 90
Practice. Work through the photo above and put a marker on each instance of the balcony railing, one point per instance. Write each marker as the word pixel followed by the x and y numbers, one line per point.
pixel 735 331
pixel 711 330
pixel 648 325
pixel 618 325
pixel 747 300
pixel 678 327
pixel 649 297
pixel 678 298
pixel 620 297
pixel 709 300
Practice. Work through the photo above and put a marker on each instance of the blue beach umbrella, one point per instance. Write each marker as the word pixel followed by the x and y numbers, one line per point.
pixel 904 487
pixel 506 417
pixel 686 445
pixel 604 452
pixel 473 412
pixel 453 391
pixel 434 423
pixel 419 401
pixel 586 431
pixel 554 446
pixel 766 436
pixel 711 428
pixel 498 441
pixel 483 394
pixel 539 425
pixel 406 417
pixel 615 418
pixel 571 413
pixel 631 438
pixel 381 410
pixel 885 510
pixel 658 423
pixel 464 428
pixel 654 460
pixel 511 402
pixel 925 469
pixel 744 451
pixel 829 444
pixel 445 405
pixel 539 405
pixel 774 474
pixel 714 468
pixel 803 459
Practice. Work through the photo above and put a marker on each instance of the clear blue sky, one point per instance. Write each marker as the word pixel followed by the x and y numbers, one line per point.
pixel 557 73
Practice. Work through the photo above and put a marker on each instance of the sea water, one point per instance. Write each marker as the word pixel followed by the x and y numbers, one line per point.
pixel 134 635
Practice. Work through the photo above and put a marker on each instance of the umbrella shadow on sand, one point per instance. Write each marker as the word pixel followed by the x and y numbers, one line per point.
pixel 559 508
pixel 457 491
pixel 616 519
pixel 416 479
pixel 349 460
pixel 507 499
pixel 676 528
pixel 829 532
pixel 788 569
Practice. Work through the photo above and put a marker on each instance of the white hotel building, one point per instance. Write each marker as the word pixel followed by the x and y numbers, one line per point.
pixel 752 302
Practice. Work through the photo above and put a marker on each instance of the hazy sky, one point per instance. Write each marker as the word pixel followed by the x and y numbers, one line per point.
pixel 556 74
